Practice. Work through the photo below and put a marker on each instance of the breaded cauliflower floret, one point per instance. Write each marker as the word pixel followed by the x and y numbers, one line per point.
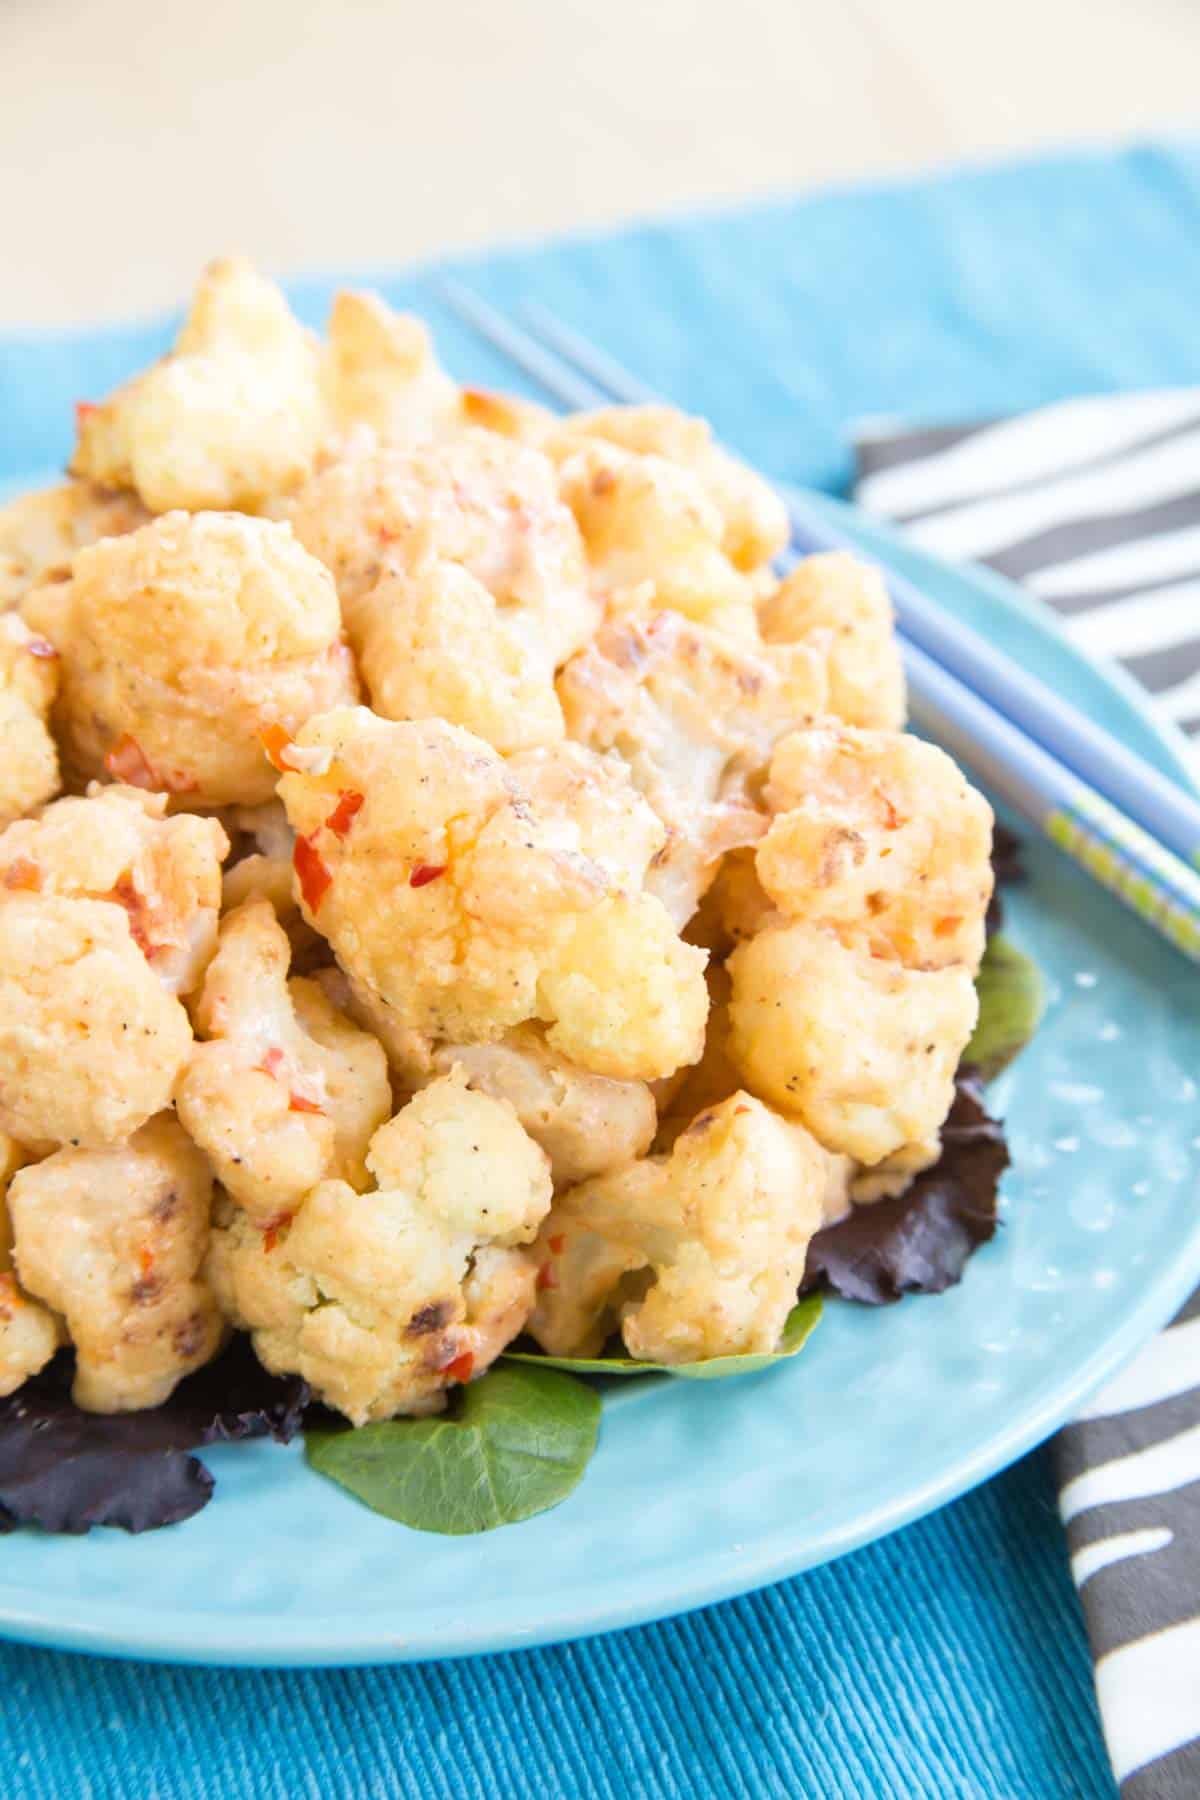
pixel 585 1123
pixel 755 518
pixel 29 1332
pixel 383 1300
pixel 182 643
pixel 693 1255
pixel 433 644
pixel 285 1092
pixel 114 1240
pixel 840 606
pixel 231 417
pixel 453 900
pixel 40 532
pixel 862 1050
pixel 695 718
pixel 379 370
pixel 28 684
pixel 881 838
pixel 655 537
pixel 91 1042
pixel 118 845
pixel 480 500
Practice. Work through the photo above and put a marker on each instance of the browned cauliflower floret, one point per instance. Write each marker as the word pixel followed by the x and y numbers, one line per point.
pixel 114 1239
pixel 182 642
pixel 695 717
pixel 231 417
pixel 29 1332
pixel 28 684
pixel 840 606
pixel 862 1050
pixel 286 1091
pixel 690 1256
pixel 434 643
pixel 40 532
pixel 383 1300
pixel 754 517
pixel 462 907
pixel 91 1042
pixel 380 371
pixel 879 837
pixel 479 500
pixel 655 537
pixel 118 845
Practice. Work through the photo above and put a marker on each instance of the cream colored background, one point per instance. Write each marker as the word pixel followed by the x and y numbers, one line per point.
pixel 137 137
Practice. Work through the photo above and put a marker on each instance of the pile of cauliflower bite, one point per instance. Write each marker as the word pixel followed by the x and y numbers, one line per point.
pixel 450 886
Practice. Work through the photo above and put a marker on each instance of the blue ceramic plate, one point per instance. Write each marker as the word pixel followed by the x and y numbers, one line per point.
pixel 701 1490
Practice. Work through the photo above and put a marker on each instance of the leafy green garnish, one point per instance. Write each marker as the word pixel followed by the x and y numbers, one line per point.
pixel 1011 997
pixel 517 1445
pixel 798 1328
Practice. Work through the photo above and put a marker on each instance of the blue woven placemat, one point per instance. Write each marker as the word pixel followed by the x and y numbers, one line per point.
pixel 948 1662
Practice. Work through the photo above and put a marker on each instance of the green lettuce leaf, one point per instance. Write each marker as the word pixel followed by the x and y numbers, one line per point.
pixel 516 1445
pixel 1011 998
pixel 799 1326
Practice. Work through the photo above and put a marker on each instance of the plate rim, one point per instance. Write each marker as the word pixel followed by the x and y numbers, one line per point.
pixel 344 1640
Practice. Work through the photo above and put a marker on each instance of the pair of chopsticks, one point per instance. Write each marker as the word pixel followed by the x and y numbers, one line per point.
pixel 1132 829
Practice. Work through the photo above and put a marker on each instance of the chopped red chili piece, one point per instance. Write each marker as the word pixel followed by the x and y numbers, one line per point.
pixel 557 1243
pixel 273 1230
pixel 312 873
pixel 547 1277
pixel 84 410
pixel 462 1368
pixel 276 743
pixel 345 812
pixel 299 1103
pixel 127 762
pixel 272 1062
pixel 23 873
pixel 424 873
pixel 126 894
pixel 145 1262
pixel 42 648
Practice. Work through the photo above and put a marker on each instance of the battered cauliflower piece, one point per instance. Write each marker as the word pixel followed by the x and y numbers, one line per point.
pixel 585 1123
pixel 383 1300
pixel 433 643
pixel 479 500
pixel 880 838
pixel 231 417
pixel 755 521
pixel 114 1240
pixel 380 371
pixel 655 537
pixel 40 533
pixel 690 1256
pixel 182 643
pixel 91 1042
pixel 118 845
pixel 286 1091
pixel 29 1332
pixel 28 684
pixel 695 718
pixel 839 604
pixel 452 900
pixel 863 1051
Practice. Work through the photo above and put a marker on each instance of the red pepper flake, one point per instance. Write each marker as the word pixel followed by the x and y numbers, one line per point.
pixel 312 872
pixel 462 1368
pixel 547 1277
pixel 24 874
pixel 271 1063
pixel 276 743
pixel 42 648
pixel 299 1103
pixel 345 812
pixel 557 1243
pixel 127 895
pixel 83 412
pixel 146 1262
pixel 273 1230
pixel 891 818
pixel 944 927
pixel 127 762
pixel 424 873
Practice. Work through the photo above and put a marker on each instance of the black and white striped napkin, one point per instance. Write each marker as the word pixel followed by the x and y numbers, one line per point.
pixel 1094 506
